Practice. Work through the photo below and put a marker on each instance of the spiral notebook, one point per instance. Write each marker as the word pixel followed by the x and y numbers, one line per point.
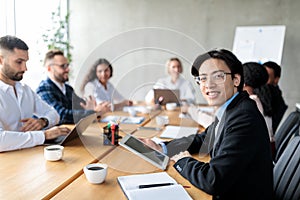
pixel 155 186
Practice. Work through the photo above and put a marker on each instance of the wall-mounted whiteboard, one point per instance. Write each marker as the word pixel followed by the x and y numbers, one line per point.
pixel 259 43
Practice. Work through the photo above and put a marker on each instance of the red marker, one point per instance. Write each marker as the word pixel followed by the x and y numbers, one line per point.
pixel 112 134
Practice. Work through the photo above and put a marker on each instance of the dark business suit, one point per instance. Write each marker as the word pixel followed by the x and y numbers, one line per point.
pixel 67 105
pixel 241 163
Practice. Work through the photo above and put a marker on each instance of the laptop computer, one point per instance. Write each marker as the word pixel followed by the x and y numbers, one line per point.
pixel 144 151
pixel 79 128
pixel 169 96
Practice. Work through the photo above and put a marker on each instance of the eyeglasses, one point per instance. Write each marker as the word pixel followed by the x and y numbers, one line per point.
pixel 216 77
pixel 63 66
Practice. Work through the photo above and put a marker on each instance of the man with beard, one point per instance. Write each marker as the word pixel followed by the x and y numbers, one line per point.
pixel 60 95
pixel 23 114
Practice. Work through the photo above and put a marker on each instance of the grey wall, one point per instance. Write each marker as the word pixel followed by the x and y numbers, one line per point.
pixel 115 29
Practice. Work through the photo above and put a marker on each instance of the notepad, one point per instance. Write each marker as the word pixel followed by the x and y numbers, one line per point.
pixel 123 119
pixel 178 131
pixel 130 186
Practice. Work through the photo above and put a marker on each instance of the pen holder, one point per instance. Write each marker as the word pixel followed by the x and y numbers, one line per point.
pixel 111 134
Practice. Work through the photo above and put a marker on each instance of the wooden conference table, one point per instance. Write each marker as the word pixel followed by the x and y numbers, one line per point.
pixel 25 174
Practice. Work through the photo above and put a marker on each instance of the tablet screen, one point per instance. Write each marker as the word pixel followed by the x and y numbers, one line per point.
pixel 141 149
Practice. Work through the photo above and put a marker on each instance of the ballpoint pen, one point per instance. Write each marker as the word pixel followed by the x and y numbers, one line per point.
pixel 149 128
pixel 155 185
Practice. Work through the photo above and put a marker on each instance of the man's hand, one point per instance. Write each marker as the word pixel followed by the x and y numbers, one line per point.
pixel 91 104
pixel 103 107
pixel 31 124
pixel 152 144
pixel 56 131
pixel 184 154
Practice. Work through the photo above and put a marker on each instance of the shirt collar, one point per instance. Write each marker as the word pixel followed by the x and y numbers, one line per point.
pixel 5 86
pixel 220 111
pixel 61 87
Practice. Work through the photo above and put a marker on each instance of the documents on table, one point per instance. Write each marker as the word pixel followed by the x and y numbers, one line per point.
pixel 123 119
pixel 152 186
pixel 178 131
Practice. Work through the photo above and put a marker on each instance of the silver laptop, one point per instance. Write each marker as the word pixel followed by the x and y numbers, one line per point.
pixel 149 154
pixel 79 128
pixel 169 96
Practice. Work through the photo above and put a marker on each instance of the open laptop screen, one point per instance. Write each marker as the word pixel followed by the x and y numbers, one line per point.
pixel 79 128
pixel 169 96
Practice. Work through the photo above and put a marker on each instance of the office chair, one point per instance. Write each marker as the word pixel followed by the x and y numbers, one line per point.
pixel 286 131
pixel 287 172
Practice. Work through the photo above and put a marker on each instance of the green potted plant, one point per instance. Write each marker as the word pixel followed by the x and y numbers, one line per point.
pixel 57 37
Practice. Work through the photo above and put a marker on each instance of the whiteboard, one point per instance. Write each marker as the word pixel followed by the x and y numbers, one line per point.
pixel 259 43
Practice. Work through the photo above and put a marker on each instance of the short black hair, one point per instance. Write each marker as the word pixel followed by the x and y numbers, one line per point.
pixel 9 42
pixel 255 74
pixel 227 56
pixel 275 67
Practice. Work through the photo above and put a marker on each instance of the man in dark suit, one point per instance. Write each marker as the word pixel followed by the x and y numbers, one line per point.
pixel 241 163
pixel 278 104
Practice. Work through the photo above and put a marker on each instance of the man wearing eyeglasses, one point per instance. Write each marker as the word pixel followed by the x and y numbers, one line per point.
pixel 238 141
pixel 60 95
pixel 25 119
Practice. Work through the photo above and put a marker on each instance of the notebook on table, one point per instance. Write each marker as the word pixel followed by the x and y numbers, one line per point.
pixel 152 186
pixel 79 128
pixel 169 96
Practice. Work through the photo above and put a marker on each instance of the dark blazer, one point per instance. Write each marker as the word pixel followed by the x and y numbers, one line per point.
pixel 67 106
pixel 241 163
pixel 279 106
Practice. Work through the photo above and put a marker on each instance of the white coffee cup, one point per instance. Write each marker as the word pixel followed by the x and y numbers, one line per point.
pixel 171 106
pixel 162 120
pixel 95 173
pixel 53 152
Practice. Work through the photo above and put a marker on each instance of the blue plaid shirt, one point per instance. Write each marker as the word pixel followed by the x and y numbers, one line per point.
pixel 67 106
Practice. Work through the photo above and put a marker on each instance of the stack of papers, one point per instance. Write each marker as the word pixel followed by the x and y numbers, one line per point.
pixel 178 131
pixel 141 109
pixel 123 119
pixel 152 186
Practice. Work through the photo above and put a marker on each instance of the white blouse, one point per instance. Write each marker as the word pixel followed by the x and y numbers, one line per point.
pixel 96 89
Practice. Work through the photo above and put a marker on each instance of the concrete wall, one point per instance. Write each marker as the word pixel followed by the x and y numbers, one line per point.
pixel 117 30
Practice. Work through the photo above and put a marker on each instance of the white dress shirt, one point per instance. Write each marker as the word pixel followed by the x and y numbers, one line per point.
pixel 96 89
pixel 14 108
pixel 185 88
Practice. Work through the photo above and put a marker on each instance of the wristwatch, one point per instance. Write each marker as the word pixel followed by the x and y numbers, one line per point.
pixel 46 121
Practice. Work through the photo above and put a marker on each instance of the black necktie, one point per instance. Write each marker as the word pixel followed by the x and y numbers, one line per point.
pixel 213 133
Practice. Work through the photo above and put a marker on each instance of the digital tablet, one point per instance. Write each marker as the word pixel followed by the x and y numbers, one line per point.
pixel 149 154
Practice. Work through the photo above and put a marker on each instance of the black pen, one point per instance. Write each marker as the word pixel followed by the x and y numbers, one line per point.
pixel 149 128
pixel 155 185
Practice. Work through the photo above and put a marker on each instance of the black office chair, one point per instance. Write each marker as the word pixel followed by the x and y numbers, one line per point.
pixel 286 131
pixel 287 172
